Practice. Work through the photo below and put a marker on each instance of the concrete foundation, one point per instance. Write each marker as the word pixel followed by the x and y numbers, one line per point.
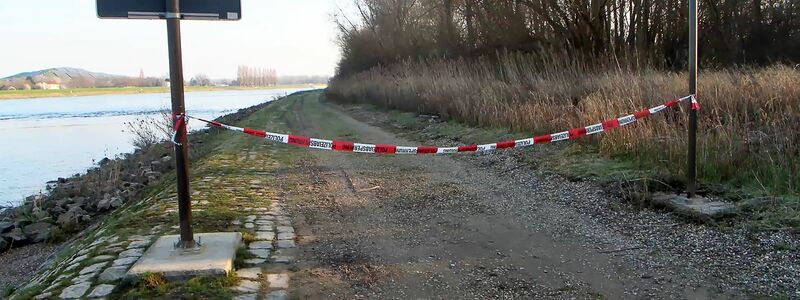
pixel 698 207
pixel 214 257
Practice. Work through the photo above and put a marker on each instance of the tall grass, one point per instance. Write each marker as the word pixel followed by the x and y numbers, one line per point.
pixel 749 132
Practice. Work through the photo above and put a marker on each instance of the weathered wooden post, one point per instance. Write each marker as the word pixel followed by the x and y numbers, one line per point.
pixel 691 174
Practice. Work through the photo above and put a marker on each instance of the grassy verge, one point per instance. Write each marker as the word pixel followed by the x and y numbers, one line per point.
pixel 22 94
pixel 623 174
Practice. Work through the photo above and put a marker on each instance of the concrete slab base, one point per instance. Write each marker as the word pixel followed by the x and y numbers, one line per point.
pixel 213 258
pixel 698 207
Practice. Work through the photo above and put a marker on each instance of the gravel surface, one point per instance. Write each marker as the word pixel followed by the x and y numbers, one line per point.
pixel 462 227
pixel 18 265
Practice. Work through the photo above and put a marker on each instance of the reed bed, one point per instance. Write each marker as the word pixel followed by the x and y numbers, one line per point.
pixel 749 133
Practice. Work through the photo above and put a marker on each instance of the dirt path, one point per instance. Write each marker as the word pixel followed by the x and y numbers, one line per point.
pixel 408 227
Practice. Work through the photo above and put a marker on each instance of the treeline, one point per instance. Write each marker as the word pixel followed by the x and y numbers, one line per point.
pixel 45 82
pixel 254 76
pixel 650 32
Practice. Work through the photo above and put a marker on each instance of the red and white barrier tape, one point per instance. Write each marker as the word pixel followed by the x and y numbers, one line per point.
pixel 346 146
pixel 178 120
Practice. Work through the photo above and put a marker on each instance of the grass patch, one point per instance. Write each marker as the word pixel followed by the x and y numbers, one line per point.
pixel 155 286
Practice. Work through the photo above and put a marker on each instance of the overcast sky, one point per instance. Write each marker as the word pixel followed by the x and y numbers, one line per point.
pixel 296 37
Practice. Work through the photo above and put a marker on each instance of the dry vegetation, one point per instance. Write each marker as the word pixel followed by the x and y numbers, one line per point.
pixel 750 122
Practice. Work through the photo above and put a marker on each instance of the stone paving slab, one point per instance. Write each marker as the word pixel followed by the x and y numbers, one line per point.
pixel 260 245
pixel 215 257
pixel 277 295
pixel 75 291
pixel 249 273
pixel 102 291
pixel 248 286
pixel 265 235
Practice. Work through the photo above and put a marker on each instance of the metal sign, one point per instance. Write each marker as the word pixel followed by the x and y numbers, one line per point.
pixel 173 11
pixel 226 10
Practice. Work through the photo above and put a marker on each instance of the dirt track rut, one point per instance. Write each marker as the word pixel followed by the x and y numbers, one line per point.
pixel 420 227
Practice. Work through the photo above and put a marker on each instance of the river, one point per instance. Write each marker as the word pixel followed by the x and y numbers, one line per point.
pixel 46 138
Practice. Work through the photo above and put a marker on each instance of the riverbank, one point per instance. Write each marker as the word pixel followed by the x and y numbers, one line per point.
pixel 27 94
pixel 416 226
pixel 77 204
pixel 116 239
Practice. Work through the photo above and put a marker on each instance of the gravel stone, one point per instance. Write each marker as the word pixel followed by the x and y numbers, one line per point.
pixel 278 281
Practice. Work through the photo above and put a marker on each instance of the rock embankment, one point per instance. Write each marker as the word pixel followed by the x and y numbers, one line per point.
pixel 71 204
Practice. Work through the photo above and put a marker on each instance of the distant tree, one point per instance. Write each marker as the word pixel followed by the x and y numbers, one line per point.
pixel 82 82
pixel 251 76
pixel 200 80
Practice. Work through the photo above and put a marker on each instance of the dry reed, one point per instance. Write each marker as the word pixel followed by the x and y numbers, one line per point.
pixel 750 121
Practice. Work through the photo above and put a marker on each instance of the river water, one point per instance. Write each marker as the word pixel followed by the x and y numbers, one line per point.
pixel 46 138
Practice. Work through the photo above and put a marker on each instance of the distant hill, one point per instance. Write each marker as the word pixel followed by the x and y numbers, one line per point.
pixel 64 74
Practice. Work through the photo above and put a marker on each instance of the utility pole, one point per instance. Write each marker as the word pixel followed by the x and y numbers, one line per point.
pixel 173 17
pixel 691 174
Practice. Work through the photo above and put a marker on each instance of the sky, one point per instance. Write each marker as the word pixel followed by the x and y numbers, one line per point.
pixel 295 37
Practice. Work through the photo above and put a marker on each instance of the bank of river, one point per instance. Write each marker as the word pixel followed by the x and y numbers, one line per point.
pixel 28 94
pixel 47 138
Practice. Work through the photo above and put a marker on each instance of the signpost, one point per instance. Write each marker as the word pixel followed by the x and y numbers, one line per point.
pixel 691 174
pixel 173 11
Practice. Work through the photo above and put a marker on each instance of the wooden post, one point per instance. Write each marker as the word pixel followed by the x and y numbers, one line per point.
pixel 691 174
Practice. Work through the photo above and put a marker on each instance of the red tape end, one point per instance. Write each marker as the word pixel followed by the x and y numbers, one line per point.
pixel 255 132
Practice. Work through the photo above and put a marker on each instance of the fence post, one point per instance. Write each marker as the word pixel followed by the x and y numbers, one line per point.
pixel 691 174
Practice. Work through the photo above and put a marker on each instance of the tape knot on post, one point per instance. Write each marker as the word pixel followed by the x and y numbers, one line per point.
pixel 178 121
pixel 695 104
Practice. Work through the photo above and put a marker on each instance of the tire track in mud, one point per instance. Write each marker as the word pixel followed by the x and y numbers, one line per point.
pixel 398 227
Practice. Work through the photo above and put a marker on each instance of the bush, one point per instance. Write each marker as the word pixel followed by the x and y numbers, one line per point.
pixel 149 130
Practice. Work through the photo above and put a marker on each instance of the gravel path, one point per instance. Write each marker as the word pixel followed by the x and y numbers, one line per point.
pixel 18 265
pixel 460 227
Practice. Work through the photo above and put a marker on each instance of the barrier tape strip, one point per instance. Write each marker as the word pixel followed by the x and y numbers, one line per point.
pixel 178 120
pixel 347 146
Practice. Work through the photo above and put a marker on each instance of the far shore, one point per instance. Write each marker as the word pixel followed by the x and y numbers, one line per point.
pixel 27 94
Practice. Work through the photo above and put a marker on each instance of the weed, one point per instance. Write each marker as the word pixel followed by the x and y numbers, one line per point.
pixel 153 280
